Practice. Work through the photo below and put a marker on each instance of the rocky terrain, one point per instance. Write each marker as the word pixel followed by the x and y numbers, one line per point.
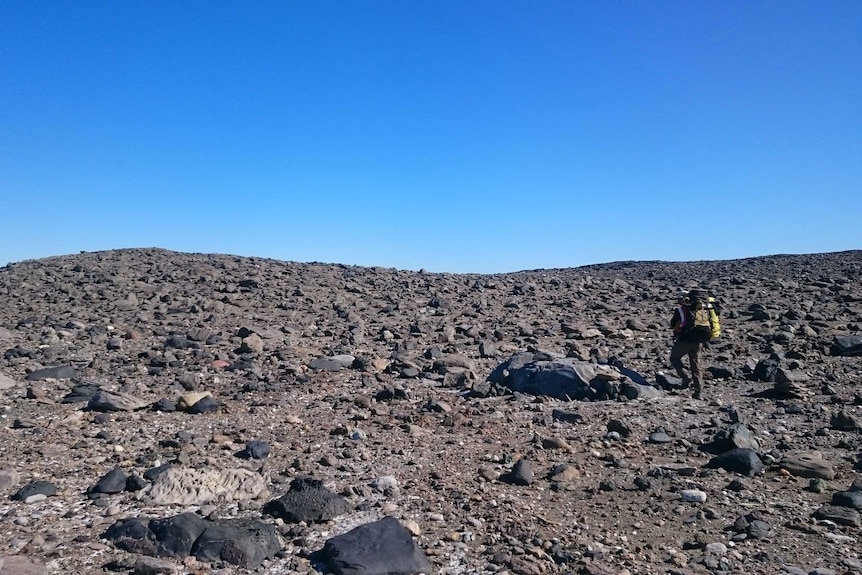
pixel 185 413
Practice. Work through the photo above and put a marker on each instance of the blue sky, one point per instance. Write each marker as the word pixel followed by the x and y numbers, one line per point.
pixel 485 136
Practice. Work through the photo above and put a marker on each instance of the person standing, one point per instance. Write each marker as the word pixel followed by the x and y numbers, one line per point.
pixel 692 328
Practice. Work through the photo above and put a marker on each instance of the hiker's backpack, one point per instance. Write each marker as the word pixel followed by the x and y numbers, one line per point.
pixel 714 313
pixel 699 323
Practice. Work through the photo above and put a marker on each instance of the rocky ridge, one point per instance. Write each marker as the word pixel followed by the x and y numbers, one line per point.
pixel 149 392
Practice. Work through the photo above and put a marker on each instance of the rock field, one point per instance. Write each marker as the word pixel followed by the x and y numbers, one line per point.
pixel 172 413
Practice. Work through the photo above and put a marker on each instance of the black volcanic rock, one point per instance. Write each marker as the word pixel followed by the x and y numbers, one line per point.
pixel 847 345
pixel 243 542
pixel 384 547
pixel 743 461
pixel 307 500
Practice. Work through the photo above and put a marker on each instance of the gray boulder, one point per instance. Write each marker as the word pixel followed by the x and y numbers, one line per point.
pixel 742 461
pixel 847 345
pixel 737 436
pixel 384 547
pixel 565 378
pixel 243 542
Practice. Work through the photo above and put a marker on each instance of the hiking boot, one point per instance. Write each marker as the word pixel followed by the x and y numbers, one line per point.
pixel 686 382
pixel 697 395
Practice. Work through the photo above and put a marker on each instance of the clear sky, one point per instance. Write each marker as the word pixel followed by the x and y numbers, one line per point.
pixel 461 136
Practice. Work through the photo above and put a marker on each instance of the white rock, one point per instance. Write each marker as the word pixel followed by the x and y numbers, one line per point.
pixel 838 538
pixel 385 483
pixel 185 486
pixel 693 495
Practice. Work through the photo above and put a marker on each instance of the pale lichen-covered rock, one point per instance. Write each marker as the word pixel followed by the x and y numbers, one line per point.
pixel 185 486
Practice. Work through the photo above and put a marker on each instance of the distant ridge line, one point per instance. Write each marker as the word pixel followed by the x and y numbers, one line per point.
pixel 629 265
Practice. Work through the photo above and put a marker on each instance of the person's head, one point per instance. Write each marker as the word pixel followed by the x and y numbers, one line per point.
pixel 681 297
pixel 697 299
pixel 697 295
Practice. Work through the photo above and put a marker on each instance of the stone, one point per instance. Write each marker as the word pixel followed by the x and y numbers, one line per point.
pixel 187 400
pixel 669 382
pixel 252 344
pixel 565 378
pixel 206 404
pixel 257 450
pixel 187 486
pixel 693 495
pixel 58 372
pixel 105 400
pixel 564 473
pixel 617 426
pixel 521 474
pixel 758 529
pixel 383 547
pixel 840 515
pixel 189 381
pixel 199 334
pixel 847 345
pixel 112 482
pixel 243 542
pixel 660 436
pixel 845 421
pixel 82 392
pixel 737 436
pixel 307 500
pixel 808 465
pixel 35 488
pixel 743 461
pixel 334 363
pixel 852 499
pixel 166 405
pixel 151 474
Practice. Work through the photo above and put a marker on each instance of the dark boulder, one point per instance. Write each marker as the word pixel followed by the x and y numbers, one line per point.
pixel 243 542
pixel 742 461
pixel 112 482
pixel 566 378
pixel 845 345
pixel 307 500
pixel 384 547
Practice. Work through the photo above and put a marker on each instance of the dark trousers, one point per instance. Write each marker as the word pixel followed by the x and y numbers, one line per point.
pixel 692 350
